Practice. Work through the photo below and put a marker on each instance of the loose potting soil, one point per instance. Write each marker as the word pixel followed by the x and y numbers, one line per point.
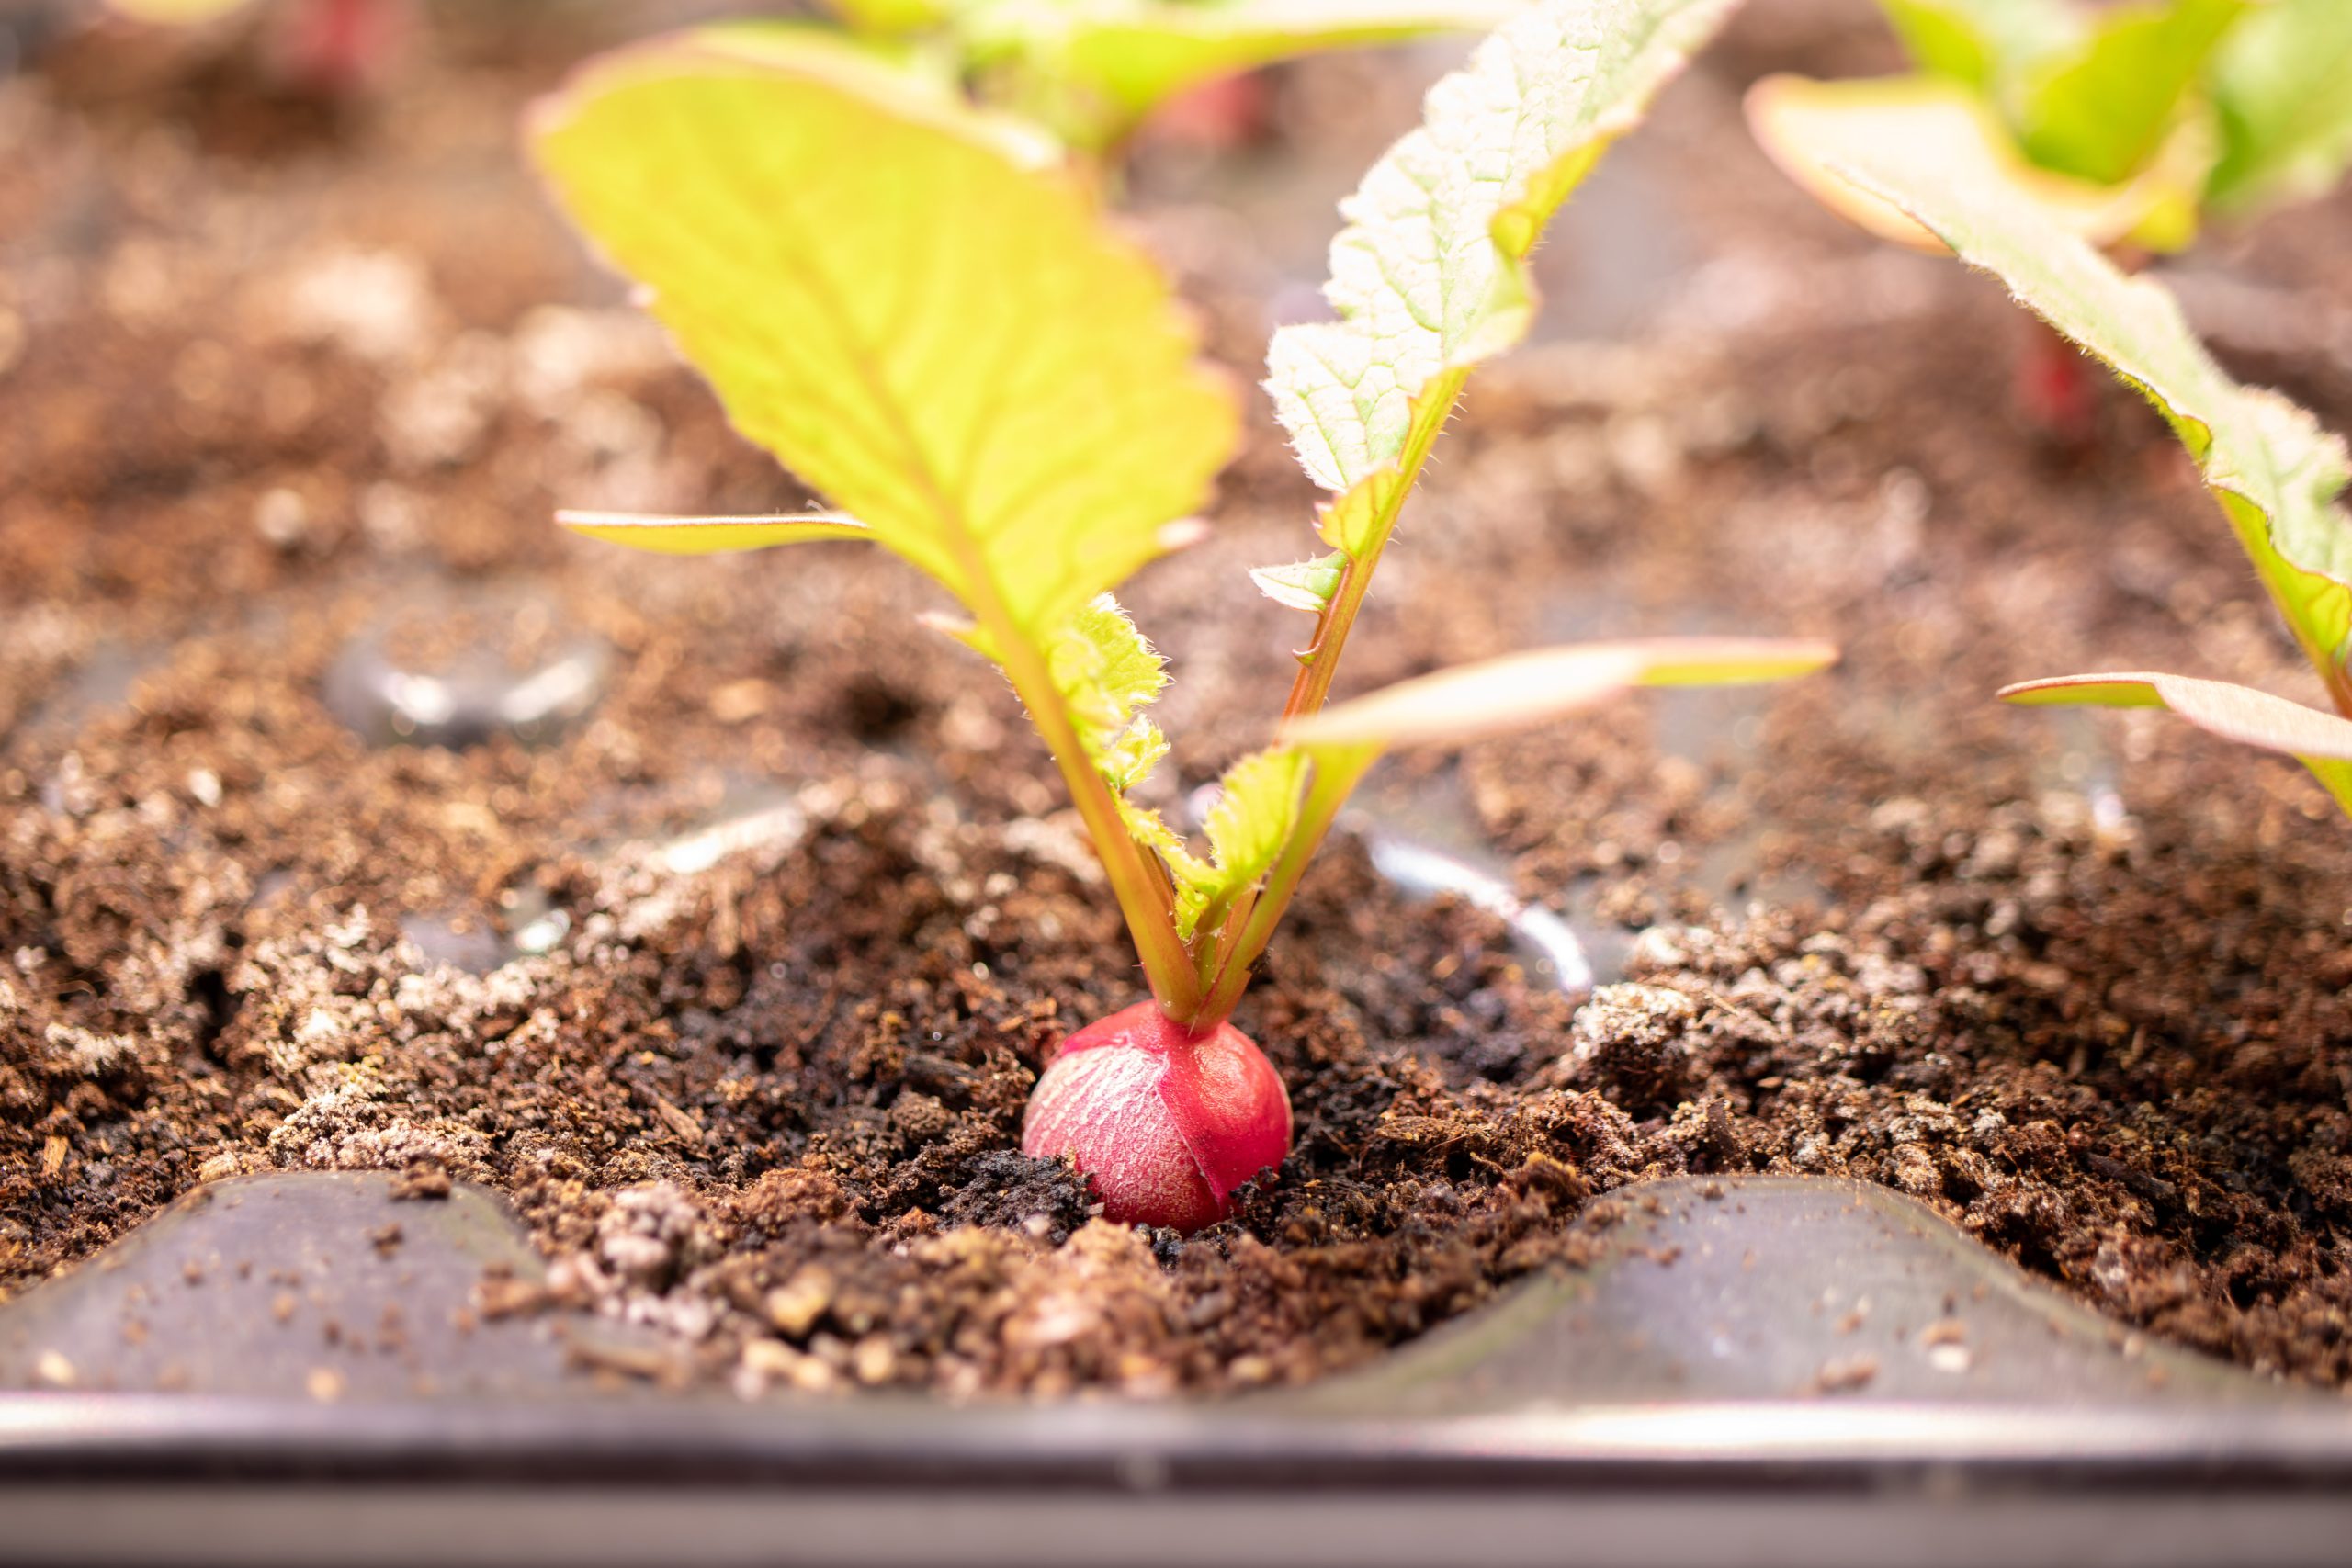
pixel 734 969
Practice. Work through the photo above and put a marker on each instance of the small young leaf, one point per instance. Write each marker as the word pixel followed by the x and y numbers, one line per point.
pixel 1428 276
pixel 2277 473
pixel 1107 674
pixel 2102 113
pixel 710 535
pixel 1496 695
pixel 1305 585
pixel 1137 53
pixel 2283 84
pixel 2322 741
pixel 1256 811
pixel 945 342
pixel 1984 44
pixel 1809 128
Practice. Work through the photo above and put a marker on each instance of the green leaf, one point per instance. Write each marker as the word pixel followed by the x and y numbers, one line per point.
pixel 887 294
pixel 2103 112
pixel 177 13
pixel 1809 128
pixel 917 308
pixel 2277 475
pixel 2322 741
pixel 1304 585
pixel 2283 84
pixel 1983 43
pixel 710 535
pixel 1256 811
pixel 1107 674
pixel 1494 696
pixel 1428 278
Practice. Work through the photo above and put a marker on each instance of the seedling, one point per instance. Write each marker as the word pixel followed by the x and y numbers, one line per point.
pixel 2277 475
pixel 2127 126
pixel 915 305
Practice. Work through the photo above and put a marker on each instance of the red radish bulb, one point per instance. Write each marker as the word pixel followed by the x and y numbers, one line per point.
pixel 1164 1123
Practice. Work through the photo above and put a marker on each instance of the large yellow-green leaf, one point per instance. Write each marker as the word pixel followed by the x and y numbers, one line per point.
pixel 2283 84
pixel 895 296
pixel 2101 112
pixel 2278 474
pixel 2321 741
pixel 1809 127
pixel 1094 68
pixel 1428 278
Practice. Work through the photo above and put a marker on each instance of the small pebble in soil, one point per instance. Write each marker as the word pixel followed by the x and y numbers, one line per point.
pixel 482 667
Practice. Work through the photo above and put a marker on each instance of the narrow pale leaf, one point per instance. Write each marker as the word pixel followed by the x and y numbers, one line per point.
pixel 887 294
pixel 1811 128
pixel 2322 741
pixel 177 13
pixel 1428 276
pixel 710 535
pixel 1496 695
pixel 2102 113
pixel 2278 474
pixel 2283 84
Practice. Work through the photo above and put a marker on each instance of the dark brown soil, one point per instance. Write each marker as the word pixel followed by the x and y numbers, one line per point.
pixel 2080 984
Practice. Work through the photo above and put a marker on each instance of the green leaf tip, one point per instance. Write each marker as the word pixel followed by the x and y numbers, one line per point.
pixel 2277 475
pixel 1428 277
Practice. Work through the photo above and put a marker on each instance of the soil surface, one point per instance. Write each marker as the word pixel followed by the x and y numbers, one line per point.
pixel 727 931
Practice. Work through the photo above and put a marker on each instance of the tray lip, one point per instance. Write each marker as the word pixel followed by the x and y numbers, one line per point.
pixel 1820 1447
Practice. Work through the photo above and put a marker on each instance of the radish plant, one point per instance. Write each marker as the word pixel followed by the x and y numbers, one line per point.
pixel 2126 124
pixel 914 304
pixel 2279 477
